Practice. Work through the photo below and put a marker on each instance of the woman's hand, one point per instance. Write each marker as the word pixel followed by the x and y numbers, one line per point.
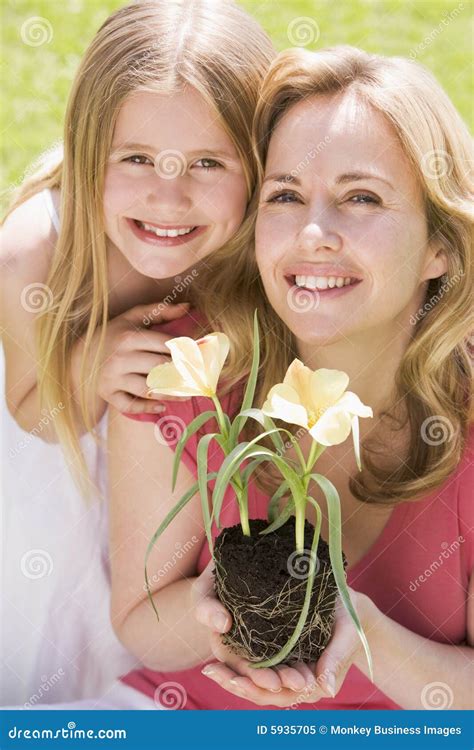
pixel 131 351
pixel 280 686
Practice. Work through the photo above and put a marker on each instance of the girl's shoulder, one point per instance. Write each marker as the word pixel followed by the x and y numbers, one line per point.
pixel 29 236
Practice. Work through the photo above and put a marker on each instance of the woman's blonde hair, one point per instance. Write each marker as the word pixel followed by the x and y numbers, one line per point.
pixel 154 45
pixel 434 379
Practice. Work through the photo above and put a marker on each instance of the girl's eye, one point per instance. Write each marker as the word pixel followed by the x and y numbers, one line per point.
pixel 364 198
pixel 207 164
pixel 286 197
pixel 138 159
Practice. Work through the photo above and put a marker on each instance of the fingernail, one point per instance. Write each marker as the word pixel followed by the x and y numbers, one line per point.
pixel 207 670
pixel 220 623
pixel 275 690
pixel 158 409
pixel 331 685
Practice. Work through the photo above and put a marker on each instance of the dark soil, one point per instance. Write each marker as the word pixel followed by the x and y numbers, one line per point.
pixel 262 582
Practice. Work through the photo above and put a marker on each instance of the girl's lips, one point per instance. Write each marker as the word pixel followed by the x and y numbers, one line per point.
pixel 153 239
pixel 326 294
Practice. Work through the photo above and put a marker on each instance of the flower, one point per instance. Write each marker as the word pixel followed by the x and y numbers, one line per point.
pixel 318 401
pixel 195 367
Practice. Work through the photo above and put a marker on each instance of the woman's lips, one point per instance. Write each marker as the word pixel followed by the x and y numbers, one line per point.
pixel 325 294
pixel 154 239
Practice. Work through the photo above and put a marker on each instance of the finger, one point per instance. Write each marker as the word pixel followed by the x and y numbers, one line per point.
pixel 156 312
pixel 141 362
pixel 267 679
pixel 127 404
pixel 307 673
pixel 291 678
pixel 243 687
pixel 338 655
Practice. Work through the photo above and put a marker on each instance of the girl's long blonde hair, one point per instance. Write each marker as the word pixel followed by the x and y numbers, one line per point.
pixel 434 380
pixel 154 45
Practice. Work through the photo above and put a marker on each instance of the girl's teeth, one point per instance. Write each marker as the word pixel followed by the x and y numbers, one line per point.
pixel 322 282
pixel 165 232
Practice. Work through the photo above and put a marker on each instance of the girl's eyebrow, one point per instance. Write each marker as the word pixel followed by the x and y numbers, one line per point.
pixel 340 180
pixel 149 149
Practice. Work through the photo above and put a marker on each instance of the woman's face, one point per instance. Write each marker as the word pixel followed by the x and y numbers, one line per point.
pixel 340 201
pixel 175 188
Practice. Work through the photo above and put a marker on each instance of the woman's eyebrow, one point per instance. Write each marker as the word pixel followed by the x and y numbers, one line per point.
pixel 340 180
pixel 355 176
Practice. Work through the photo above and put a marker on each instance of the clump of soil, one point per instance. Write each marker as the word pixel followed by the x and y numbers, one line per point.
pixel 262 581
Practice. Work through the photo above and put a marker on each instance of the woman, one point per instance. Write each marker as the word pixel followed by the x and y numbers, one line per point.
pixel 357 229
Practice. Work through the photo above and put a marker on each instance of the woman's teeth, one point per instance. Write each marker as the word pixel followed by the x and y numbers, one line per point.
pixel 165 232
pixel 322 282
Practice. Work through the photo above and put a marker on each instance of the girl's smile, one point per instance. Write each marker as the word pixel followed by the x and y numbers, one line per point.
pixel 165 235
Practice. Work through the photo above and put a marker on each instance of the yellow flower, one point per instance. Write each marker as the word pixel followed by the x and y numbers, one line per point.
pixel 195 367
pixel 318 401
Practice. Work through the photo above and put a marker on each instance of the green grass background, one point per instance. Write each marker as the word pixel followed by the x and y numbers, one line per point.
pixel 36 80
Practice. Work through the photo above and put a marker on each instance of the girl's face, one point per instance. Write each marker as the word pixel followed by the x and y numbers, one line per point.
pixel 340 202
pixel 175 188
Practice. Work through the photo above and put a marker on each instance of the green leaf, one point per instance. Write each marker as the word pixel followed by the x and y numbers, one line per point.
pixel 188 432
pixel 203 481
pixel 240 420
pixel 281 518
pixel 287 648
pixel 273 504
pixel 184 500
pixel 335 554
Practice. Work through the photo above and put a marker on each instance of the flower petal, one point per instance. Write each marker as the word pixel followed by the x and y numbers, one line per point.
pixel 298 377
pixel 332 428
pixel 188 360
pixel 283 403
pixel 166 379
pixel 351 403
pixel 214 350
pixel 327 387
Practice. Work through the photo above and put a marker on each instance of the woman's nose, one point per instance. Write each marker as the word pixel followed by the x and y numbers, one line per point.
pixel 318 234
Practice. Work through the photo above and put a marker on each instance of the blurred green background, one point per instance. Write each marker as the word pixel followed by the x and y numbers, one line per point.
pixel 37 73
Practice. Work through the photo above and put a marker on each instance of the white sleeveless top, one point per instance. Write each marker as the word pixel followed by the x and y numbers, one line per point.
pixel 57 643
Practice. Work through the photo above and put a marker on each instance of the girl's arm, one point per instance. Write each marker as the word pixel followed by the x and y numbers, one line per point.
pixel 140 470
pixel 27 246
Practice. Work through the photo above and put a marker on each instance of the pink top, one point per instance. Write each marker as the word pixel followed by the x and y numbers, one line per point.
pixel 417 572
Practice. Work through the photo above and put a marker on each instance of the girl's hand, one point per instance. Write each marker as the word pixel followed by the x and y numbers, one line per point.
pixel 131 351
pixel 280 686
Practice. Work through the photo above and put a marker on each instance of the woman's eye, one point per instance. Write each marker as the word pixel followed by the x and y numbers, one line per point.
pixel 283 198
pixel 138 159
pixel 207 164
pixel 364 198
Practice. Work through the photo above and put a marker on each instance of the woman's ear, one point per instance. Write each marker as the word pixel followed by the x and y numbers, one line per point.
pixel 436 262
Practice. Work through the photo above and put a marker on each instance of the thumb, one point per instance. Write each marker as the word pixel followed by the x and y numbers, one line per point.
pixel 338 655
pixel 156 312
pixel 209 610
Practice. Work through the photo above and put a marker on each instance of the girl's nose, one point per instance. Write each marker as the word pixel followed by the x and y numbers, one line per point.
pixel 169 193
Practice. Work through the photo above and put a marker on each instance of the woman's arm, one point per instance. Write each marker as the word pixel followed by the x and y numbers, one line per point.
pixel 409 668
pixel 140 470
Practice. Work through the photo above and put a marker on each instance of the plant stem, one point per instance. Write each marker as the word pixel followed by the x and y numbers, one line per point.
pixel 220 417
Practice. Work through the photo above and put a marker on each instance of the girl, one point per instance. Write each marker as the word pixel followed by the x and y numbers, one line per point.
pixel 364 208
pixel 156 176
